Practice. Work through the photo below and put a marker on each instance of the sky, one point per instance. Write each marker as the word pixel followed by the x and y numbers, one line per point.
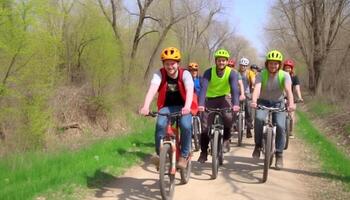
pixel 248 17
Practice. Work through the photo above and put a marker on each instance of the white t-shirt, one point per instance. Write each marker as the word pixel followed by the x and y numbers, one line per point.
pixel 187 78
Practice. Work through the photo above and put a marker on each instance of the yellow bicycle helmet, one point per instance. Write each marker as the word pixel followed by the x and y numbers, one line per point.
pixel 193 65
pixel 222 53
pixel 274 55
pixel 170 53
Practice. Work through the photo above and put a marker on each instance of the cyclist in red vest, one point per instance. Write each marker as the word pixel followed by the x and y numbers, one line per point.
pixel 175 93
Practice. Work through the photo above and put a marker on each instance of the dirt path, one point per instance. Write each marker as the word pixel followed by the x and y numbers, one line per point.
pixel 239 178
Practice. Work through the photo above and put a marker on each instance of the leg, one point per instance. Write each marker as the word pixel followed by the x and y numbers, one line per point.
pixel 260 117
pixel 160 127
pixel 186 134
pixel 280 120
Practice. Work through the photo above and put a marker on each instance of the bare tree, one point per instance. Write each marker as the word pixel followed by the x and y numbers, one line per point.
pixel 141 18
pixel 314 25
pixel 165 26
pixel 191 31
pixel 112 19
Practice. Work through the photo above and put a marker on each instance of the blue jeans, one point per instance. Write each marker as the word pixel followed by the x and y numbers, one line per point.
pixel 279 119
pixel 185 128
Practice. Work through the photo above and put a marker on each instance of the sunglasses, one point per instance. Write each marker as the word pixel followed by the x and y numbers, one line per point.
pixel 194 70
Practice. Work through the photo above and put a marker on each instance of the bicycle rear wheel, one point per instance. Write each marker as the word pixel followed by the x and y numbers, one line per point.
pixel 186 173
pixel 214 154
pixel 196 133
pixel 267 154
pixel 288 122
pixel 166 179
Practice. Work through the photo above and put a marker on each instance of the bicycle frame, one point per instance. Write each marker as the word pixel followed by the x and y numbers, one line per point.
pixel 172 137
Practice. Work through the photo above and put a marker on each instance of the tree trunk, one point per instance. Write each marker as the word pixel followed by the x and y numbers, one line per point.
pixel 159 43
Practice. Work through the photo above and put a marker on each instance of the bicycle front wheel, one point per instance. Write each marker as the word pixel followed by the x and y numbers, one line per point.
pixel 215 154
pixel 166 178
pixel 267 154
pixel 240 128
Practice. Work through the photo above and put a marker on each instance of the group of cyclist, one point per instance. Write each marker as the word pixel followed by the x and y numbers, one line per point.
pixel 223 85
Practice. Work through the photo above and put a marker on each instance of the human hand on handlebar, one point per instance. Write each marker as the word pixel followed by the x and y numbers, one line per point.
pixel 144 111
pixel 253 105
pixel 201 108
pixel 185 111
pixel 235 108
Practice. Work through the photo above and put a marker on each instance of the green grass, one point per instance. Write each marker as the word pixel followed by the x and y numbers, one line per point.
pixel 321 108
pixel 27 175
pixel 335 164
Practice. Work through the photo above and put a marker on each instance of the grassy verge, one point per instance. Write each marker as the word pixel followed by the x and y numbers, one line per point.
pixel 321 108
pixel 28 175
pixel 334 162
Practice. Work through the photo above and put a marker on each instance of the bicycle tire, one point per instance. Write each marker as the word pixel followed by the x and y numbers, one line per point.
pixel 267 154
pixel 186 173
pixel 196 134
pixel 240 129
pixel 214 155
pixel 220 150
pixel 167 187
pixel 287 134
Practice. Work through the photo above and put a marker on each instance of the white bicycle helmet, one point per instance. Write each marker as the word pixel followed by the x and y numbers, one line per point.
pixel 244 61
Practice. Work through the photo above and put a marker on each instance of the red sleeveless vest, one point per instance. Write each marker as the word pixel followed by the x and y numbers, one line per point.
pixel 163 89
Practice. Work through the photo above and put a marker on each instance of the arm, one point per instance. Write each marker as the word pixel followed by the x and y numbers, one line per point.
pixel 204 83
pixel 152 90
pixel 288 91
pixel 241 89
pixel 189 87
pixel 255 95
pixel 148 99
pixel 297 89
pixel 234 88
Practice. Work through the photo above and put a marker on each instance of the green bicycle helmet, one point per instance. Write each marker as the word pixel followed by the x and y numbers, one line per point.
pixel 274 55
pixel 222 53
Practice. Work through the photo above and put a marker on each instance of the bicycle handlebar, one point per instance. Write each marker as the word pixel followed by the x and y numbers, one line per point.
pixel 261 107
pixel 155 114
pixel 218 109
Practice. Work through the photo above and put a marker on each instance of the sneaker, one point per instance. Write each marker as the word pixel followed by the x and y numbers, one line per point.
pixel 249 133
pixel 155 161
pixel 279 161
pixel 203 157
pixel 182 163
pixel 256 152
pixel 226 147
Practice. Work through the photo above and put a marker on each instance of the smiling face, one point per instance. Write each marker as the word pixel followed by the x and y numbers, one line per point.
pixel 171 67
pixel 273 66
pixel 287 69
pixel 194 72
pixel 243 68
pixel 221 63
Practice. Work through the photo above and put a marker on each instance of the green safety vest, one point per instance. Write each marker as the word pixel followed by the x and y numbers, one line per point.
pixel 265 78
pixel 219 86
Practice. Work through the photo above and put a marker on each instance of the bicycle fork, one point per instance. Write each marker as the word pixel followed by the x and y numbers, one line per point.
pixel 173 147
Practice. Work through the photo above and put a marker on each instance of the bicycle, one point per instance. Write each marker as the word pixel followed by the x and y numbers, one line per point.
pixel 216 135
pixel 268 139
pixel 169 155
pixel 196 132
pixel 289 125
pixel 241 122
